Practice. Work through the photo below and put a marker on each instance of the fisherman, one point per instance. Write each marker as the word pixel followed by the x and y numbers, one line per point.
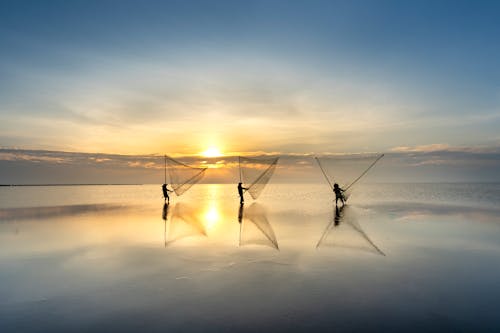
pixel 165 193
pixel 240 192
pixel 339 194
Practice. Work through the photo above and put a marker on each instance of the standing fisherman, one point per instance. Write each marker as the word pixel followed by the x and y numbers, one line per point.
pixel 339 194
pixel 165 192
pixel 240 192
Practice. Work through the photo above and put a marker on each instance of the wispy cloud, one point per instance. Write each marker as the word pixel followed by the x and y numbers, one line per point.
pixel 444 147
pixel 422 149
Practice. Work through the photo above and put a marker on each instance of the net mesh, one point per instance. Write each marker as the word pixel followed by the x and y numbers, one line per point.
pixel 255 173
pixel 182 176
pixel 256 228
pixel 347 170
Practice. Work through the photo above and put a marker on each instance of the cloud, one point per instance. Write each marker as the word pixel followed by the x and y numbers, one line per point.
pixel 422 149
pixel 421 163
pixel 446 148
pixel 182 100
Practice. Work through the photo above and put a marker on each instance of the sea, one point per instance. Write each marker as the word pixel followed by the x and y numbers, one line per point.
pixel 421 257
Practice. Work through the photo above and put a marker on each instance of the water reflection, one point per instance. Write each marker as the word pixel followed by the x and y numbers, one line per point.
pixel 164 216
pixel 164 213
pixel 255 228
pixel 23 213
pixel 107 270
pixel 184 222
pixel 240 219
pixel 344 231
pixel 417 210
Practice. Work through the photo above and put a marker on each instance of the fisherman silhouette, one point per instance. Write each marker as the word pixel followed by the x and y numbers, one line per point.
pixel 240 213
pixel 339 194
pixel 240 192
pixel 165 192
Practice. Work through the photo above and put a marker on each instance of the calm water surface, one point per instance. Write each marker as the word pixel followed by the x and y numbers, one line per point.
pixel 413 257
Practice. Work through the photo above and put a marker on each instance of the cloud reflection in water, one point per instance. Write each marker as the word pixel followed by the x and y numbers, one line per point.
pixel 23 213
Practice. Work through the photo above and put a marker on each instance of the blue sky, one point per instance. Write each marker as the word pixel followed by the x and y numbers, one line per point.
pixel 291 77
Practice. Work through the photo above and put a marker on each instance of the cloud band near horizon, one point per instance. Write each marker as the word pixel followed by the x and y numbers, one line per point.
pixel 408 164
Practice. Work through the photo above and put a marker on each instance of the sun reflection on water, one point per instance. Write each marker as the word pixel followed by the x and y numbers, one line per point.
pixel 212 215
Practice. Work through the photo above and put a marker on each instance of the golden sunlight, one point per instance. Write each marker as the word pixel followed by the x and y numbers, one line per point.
pixel 212 152
pixel 211 217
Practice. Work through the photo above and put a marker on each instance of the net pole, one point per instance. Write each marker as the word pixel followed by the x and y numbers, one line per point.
pixel 364 173
pixel 239 166
pixel 324 234
pixel 324 173
pixel 165 170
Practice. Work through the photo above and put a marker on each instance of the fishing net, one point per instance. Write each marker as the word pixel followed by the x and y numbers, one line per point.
pixel 256 229
pixel 344 231
pixel 182 176
pixel 255 173
pixel 346 170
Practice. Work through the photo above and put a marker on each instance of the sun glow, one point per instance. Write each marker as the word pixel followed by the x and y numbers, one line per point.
pixel 211 217
pixel 212 152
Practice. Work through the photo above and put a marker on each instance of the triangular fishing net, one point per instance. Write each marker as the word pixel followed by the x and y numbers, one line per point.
pixel 346 170
pixel 256 228
pixel 182 176
pixel 256 172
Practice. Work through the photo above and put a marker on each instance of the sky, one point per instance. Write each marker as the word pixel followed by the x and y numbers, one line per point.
pixel 419 80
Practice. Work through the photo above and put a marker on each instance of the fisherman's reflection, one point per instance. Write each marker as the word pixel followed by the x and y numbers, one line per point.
pixel 345 231
pixel 240 213
pixel 164 216
pixel 338 215
pixel 164 213
pixel 183 223
pixel 255 228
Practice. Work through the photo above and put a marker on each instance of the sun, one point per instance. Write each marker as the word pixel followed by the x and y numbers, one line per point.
pixel 212 152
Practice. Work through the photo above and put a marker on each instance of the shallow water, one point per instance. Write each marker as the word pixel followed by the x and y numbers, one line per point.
pixel 399 256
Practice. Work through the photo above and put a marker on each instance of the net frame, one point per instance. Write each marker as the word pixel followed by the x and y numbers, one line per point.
pixel 179 185
pixel 347 186
pixel 256 184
